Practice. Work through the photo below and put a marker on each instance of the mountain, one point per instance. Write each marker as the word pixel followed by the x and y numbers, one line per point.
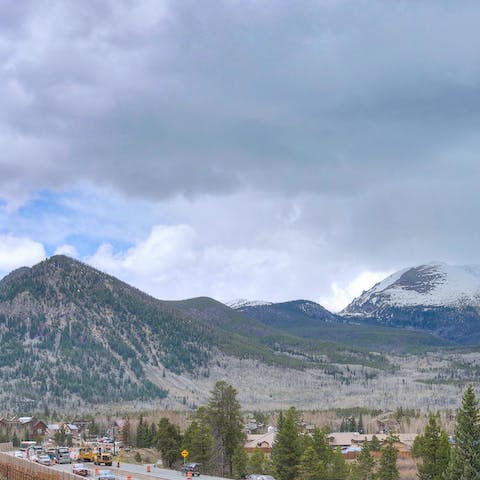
pixel 438 298
pixel 72 336
pixel 310 320
pixel 293 314
pixel 243 302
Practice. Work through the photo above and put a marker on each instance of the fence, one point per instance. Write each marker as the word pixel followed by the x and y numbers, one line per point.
pixel 12 468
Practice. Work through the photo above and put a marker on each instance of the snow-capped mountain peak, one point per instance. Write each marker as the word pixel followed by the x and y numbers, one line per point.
pixel 243 302
pixel 433 284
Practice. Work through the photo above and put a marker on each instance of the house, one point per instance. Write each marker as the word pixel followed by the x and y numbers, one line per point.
pixel 68 429
pixel 261 442
pixel 351 442
pixel 23 427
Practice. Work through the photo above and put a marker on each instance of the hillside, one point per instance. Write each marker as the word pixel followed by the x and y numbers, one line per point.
pixel 71 335
pixel 437 298
pixel 66 328
pixel 310 320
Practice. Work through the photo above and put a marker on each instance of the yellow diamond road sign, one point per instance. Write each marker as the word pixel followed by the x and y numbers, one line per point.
pixel 184 453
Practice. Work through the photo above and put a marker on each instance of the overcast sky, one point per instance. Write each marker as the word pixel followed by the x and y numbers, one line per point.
pixel 241 149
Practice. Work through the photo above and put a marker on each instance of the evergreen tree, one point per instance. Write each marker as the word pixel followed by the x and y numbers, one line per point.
pixel 360 427
pixel 226 423
pixel 310 466
pixel 444 453
pixel 465 464
pixel 142 433
pixel 257 463
pixel 388 461
pixel 338 468
pixel 198 440
pixel 151 434
pixel 374 444
pixel 239 462
pixel 433 450
pixel 126 433
pixel 364 466
pixel 286 449
pixel 320 461
pixel 342 425
pixel 322 446
pixel 353 425
pixel 168 442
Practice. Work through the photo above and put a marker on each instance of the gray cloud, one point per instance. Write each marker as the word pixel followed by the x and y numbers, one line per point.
pixel 365 115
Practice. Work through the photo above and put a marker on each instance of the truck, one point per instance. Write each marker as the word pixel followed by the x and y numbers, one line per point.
pixel 86 454
pixel 104 457
pixel 63 455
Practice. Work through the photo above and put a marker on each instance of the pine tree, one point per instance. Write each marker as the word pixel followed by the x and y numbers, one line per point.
pixel 226 422
pixel 168 441
pixel 198 440
pixel 434 449
pixel 360 428
pixel 239 462
pixel 310 466
pixel 286 449
pixel 257 462
pixel 388 461
pixel 465 464
pixel 338 468
pixel 364 466
pixel 322 446
pixel 142 433
pixel 125 432
pixel 374 444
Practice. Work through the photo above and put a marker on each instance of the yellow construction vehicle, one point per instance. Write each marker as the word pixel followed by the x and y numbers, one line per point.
pixel 86 454
pixel 104 457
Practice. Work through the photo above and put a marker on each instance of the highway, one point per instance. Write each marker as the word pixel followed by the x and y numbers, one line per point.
pixel 137 472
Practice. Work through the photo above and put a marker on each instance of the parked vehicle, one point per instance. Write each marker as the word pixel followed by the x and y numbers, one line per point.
pixel 106 475
pixel 80 469
pixel 19 454
pixel 44 460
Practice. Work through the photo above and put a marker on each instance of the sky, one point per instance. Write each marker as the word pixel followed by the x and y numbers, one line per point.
pixel 269 150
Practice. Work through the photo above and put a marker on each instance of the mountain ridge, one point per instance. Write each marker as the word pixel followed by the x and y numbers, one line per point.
pixel 435 297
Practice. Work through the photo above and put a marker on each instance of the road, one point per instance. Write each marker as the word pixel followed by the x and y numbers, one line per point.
pixel 137 472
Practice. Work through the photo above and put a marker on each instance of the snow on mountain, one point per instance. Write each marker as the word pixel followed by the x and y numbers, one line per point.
pixel 243 302
pixel 430 285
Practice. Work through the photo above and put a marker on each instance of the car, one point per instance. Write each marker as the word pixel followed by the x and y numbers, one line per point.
pixel 80 469
pixel 44 459
pixel 258 476
pixel 106 475
pixel 193 468
pixel 33 458
pixel 19 454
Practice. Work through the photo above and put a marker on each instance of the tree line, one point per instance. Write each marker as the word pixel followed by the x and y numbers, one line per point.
pixel 215 438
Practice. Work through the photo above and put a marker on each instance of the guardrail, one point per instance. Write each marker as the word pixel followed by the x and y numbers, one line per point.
pixel 12 468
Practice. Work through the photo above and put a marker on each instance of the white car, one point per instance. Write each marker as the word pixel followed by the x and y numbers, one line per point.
pixel 106 475
pixel 19 454
pixel 44 460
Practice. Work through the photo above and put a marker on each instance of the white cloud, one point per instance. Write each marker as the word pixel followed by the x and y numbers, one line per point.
pixel 342 295
pixel 171 263
pixel 18 252
pixel 67 249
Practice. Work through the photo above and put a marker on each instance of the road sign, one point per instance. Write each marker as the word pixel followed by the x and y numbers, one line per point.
pixel 184 453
